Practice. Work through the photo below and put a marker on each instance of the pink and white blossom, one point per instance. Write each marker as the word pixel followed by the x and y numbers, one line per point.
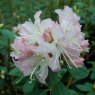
pixel 41 44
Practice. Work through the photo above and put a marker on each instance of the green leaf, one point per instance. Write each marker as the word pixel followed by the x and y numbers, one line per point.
pixel 85 87
pixel 72 92
pixel 93 68
pixel 91 93
pixel 52 78
pixel 62 72
pixel 37 92
pixel 92 75
pixel 93 72
pixel 2 68
pixel 8 34
pixel 60 89
pixel 78 73
pixel 15 72
pixel 43 92
pixel 28 87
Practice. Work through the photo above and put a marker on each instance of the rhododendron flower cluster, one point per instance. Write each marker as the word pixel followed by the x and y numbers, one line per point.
pixel 47 44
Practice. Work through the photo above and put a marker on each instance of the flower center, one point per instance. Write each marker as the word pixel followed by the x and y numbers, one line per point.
pixel 47 36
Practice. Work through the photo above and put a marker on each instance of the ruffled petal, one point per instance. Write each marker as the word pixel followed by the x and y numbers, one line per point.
pixel 37 17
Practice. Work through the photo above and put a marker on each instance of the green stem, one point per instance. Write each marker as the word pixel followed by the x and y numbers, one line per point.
pixel 69 82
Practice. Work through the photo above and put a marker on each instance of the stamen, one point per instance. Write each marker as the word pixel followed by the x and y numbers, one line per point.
pixel 20 79
pixel 70 53
pixel 70 48
pixel 55 59
pixel 65 58
pixel 33 72
pixel 77 44
pixel 35 69
pixel 70 58
pixel 41 73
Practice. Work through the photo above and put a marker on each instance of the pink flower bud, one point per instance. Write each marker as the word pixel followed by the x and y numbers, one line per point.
pixel 47 36
pixel 78 61
pixel 84 44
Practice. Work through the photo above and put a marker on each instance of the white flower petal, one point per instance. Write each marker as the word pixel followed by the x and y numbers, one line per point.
pixel 42 73
pixel 37 17
pixel 57 32
pixel 53 62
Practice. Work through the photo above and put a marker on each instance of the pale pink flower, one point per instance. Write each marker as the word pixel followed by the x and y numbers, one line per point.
pixel 40 33
pixel 27 61
pixel 73 41
pixel 41 44
pixel 27 54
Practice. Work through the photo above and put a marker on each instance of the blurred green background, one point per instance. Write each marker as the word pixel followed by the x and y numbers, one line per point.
pixel 66 82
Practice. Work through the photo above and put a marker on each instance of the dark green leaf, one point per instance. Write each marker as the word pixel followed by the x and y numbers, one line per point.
pixel 60 89
pixel 15 72
pixel 78 73
pixel 85 87
pixel 28 87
